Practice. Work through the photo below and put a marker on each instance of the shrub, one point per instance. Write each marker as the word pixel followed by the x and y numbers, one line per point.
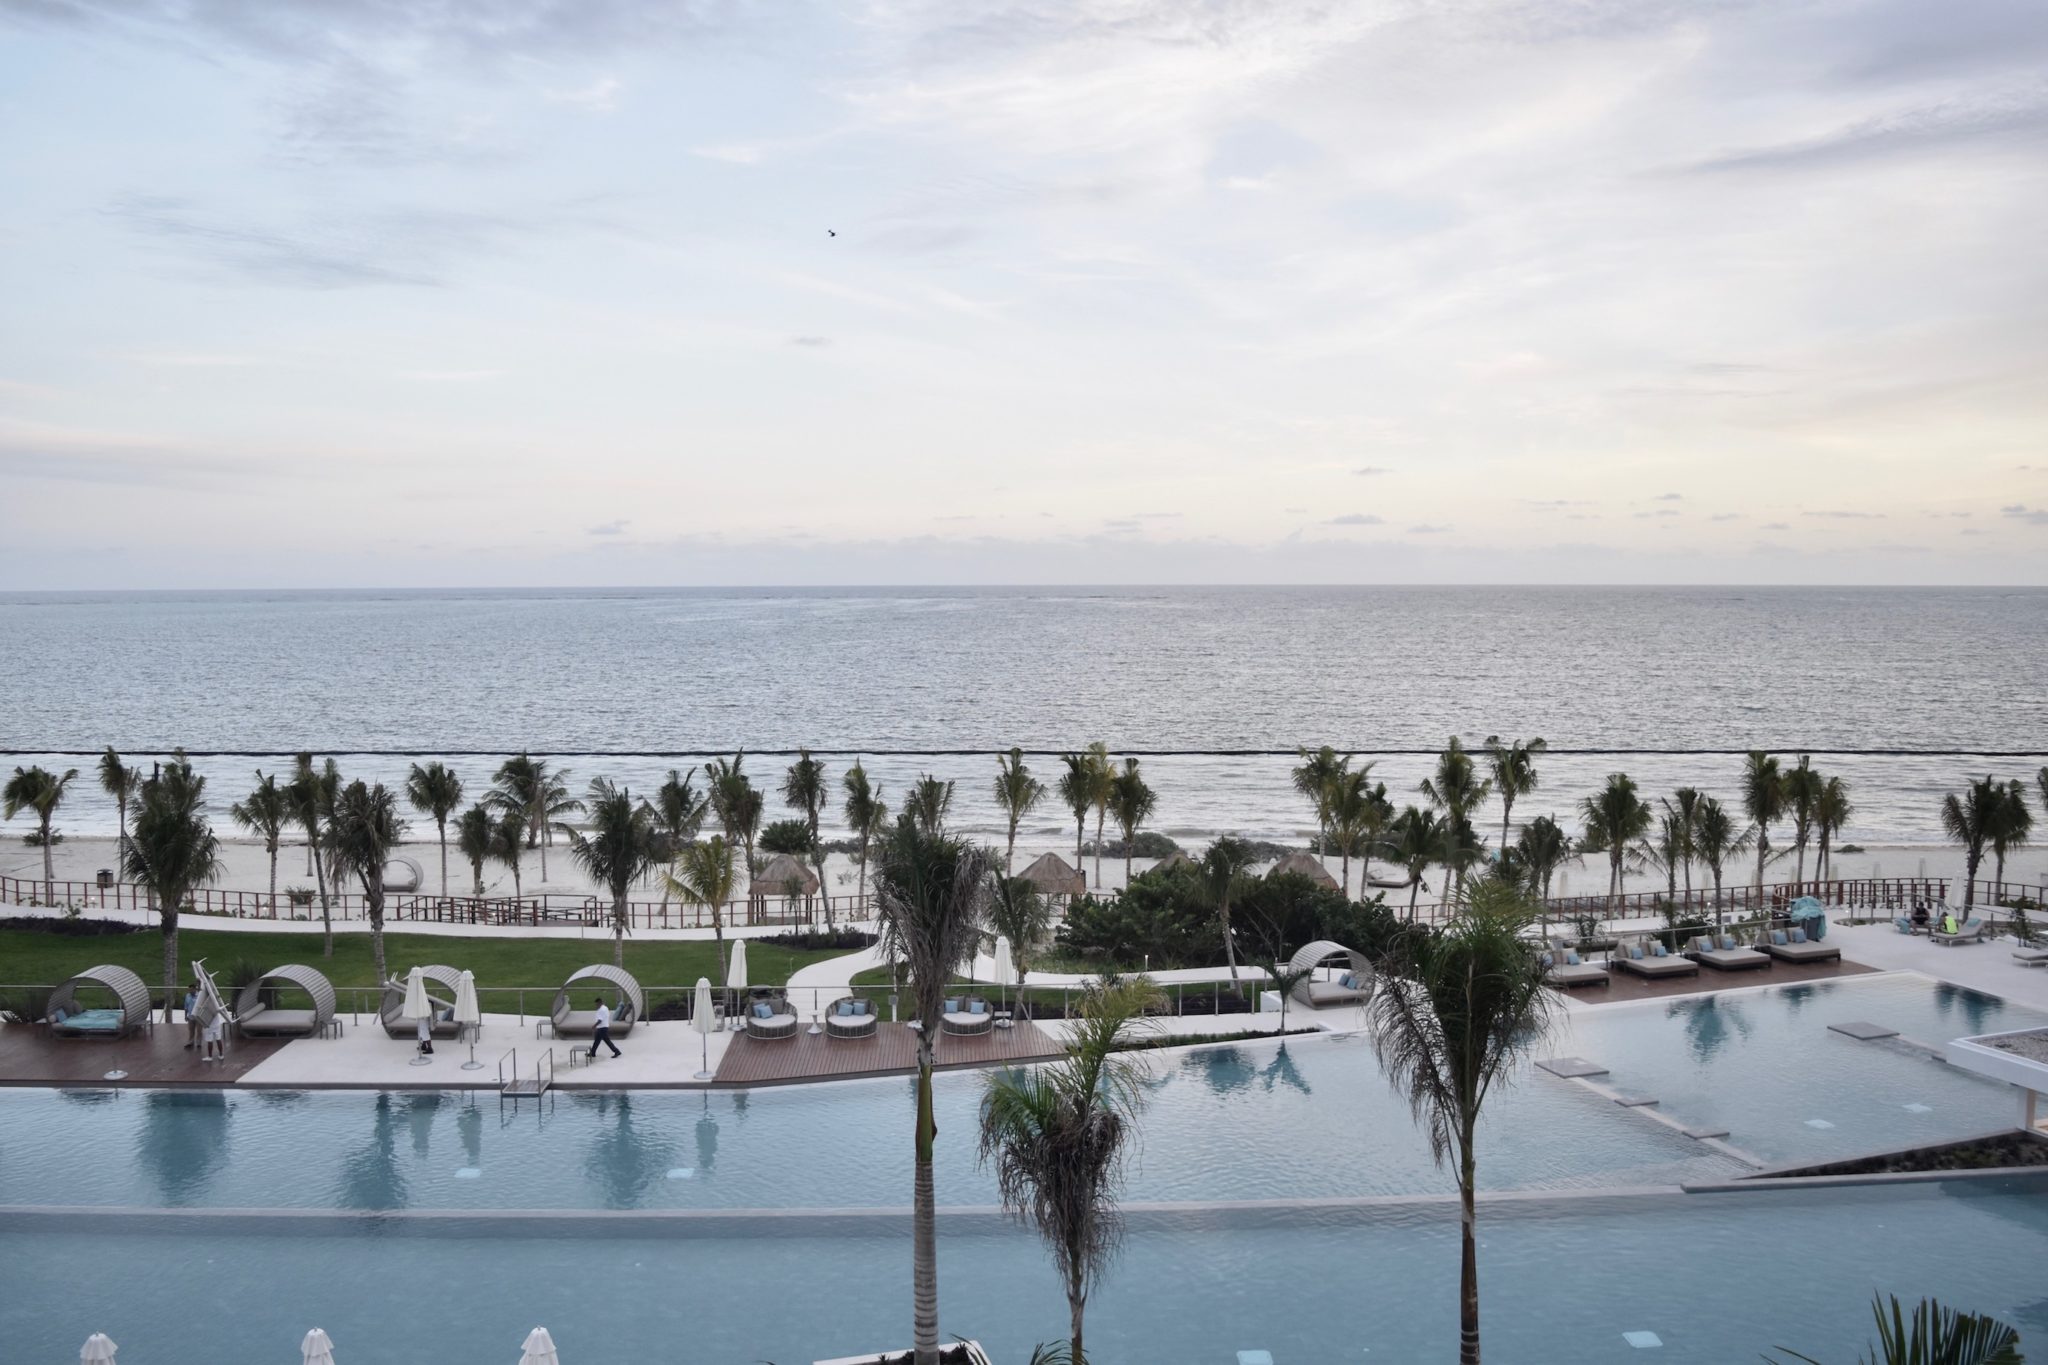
pixel 26 1005
pixel 1166 919
pixel 786 836
pixel 70 926
pixel 1148 844
pixel 847 940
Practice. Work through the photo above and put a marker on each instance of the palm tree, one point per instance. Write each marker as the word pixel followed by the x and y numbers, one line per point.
pixel 929 803
pixel 867 816
pixel 1544 847
pixel 1058 1135
pixel 1131 801
pixel 1763 800
pixel 1359 813
pixel 172 850
pixel 1020 914
pixel 1077 790
pixel 473 838
pixel 1415 840
pixel 1662 846
pixel 508 846
pixel 1017 795
pixel 1452 1010
pixel 932 892
pixel 38 790
pixel 312 792
pixel 121 782
pixel 1456 789
pixel 1615 819
pixel 1969 820
pixel 1934 1335
pixel 617 851
pixel 803 789
pixel 736 803
pixel 1223 863
pixel 1716 839
pixel 678 811
pixel 1317 778
pixel 2011 823
pixel 1830 814
pixel 1802 801
pixel 703 875
pixel 365 827
pixel 1514 774
pixel 265 811
pixel 1101 786
pixel 1684 806
pixel 435 790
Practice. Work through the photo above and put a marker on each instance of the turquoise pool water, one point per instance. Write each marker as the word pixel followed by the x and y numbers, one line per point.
pixel 1718 1278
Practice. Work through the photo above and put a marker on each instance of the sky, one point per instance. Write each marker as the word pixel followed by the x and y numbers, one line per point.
pixel 579 292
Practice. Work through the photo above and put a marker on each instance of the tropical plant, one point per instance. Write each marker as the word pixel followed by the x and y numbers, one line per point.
pixel 1831 812
pixel 1934 1335
pixel 539 794
pixel 1020 914
pixel 1101 787
pixel 1616 818
pixel 1057 1137
pixel 172 850
pixel 703 875
pixel 932 894
pixel 508 846
pixel 1969 819
pixel 678 811
pixel 361 833
pixel 1683 806
pixel 1018 793
pixel 121 782
pixel 473 838
pixel 1451 1012
pixel 1316 778
pixel 616 852
pixel 1716 839
pixel 1284 978
pixel 1415 840
pixel 1544 847
pixel 1223 865
pixel 867 816
pixel 1803 786
pixel 1763 800
pixel 1076 788
pixel 1456 789
pixel 1359 815
pixel 38 790
pixel 929 802
pixel 805 789
pixel 2011 823
pixel 1663 846
pixel 312 792
pixel 435 791
pixel 1131 802
pixel 265 812
pixel 1514 774
pixel 736 803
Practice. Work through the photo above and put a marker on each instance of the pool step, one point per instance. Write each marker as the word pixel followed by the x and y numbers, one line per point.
pixel 1571 1068
pixel 1862 1032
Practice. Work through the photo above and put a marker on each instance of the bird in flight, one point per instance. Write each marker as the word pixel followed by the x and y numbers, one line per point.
pixel 830 233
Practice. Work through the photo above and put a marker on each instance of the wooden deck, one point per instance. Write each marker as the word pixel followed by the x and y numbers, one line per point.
pixel 30 1056
pixel 892 1051
pixel 1628 986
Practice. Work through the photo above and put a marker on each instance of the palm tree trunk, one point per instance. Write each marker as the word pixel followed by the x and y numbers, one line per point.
pixel 273 879
pixel 1080 833
pixel 1974 861
pixel 1098 850
pixel 49 868
pixel 924 1232
pixel 1346 886
pixel 1077 1305
pixel 1468 1270
pixel 1229 944
pixel 619 929
pixel 1128 841
pixel 1763 850
pixel 326 917
pixel 373 899
pixel 170 932
pixel 1414 890
pixel 860 891
pixel 1010 851
pixel 442 821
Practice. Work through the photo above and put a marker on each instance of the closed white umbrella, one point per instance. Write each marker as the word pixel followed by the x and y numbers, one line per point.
pixel 540 1349
pixel 736 971
pixel 469 1015
pixel 416 1007
pixel 704 1019
pixel 98 1347
pixel 317 1349
pixel 1003 967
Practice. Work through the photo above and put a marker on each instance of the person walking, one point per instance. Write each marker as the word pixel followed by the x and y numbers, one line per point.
pixel 192 1020
pixel 602 1031
pixel 214 1047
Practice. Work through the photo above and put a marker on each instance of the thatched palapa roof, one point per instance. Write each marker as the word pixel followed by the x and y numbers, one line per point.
pixel 1304 865
pixel 1177 858
pixel 778 872
pixel 1053 876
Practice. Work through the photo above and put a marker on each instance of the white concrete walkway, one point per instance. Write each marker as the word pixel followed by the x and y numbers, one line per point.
pixel 1986 966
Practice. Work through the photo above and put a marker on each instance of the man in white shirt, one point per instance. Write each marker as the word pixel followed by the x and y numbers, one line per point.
pixel 602 1033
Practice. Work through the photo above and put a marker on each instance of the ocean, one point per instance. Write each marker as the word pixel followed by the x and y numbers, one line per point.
pixel 878 671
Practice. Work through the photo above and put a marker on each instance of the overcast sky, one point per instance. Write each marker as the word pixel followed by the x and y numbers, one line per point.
pixel 367 292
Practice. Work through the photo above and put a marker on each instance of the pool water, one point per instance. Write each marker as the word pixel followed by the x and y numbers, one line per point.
pixel 1716 1277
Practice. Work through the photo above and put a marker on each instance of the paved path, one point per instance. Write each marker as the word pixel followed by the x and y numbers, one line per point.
pixel 1986 966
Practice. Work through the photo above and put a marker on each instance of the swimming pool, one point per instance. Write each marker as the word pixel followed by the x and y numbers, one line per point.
pixel 1717 1277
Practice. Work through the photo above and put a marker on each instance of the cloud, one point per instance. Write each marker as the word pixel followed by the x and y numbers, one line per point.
pixel 1371 471
pixel 599 97
pixel 1838 515
pixel 2032 516
pixel 815 342
pixel 2018 115
pixel 30 452
pixel 1424 529
pixel 1670 497
pixel 1356 519
pixel 1775 526
pixel 609 528
pixel 1726 516
pixel 1553 504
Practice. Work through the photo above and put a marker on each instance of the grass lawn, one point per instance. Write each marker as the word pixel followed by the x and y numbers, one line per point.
pixel 37 959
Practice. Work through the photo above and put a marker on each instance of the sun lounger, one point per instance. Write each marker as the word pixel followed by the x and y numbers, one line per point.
pixel 391 1010
pixel 1792 945
pixel 769 1018
pixel 1970 930
pixel 966 1016
pixel 1562 968
pixel 1349 988
pixel 850 1017
pixel 1725 954
pixel 89 1024
pixel 1653 961
pixel 2031 957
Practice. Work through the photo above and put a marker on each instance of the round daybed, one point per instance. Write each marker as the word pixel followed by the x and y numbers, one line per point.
pixel 966 1016
pixel 1352 986
pixel 68 1019
pixel 257 1019
pixel 391 1012
pixel 628 1004
pixel 401 874
pixel 851 1017
pixel 779 1020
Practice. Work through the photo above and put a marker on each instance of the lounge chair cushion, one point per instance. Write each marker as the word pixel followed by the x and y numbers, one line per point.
pixel 1658 949
pixel 1797 935
pixel 1778 937
pixel 1544 959
pixel 977 1007
pixel 1635 952
pixel 952 1007
pixel 91 1021
pixel 764 1011
pixel 845 1010
pixel 1571 959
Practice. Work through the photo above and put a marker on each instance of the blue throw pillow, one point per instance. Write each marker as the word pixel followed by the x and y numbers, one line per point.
pixel 952 1007
pixel 1728 942
pixel 1778 937
pixel 1798 936
pixel 1544 958
pixel 860 1008
pixel 977 1007
pixel 764 1011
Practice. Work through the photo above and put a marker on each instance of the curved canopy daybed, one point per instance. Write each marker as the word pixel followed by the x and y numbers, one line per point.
pixel 391 1010
pixel 851 1016
pixel 1351 986
pixel 778 1022
pixel 401 874
pixel 628 1004
pixel 966 1016
pixel 68 1019
pixel 256 1019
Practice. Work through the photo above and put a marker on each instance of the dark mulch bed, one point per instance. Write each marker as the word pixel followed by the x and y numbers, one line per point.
pixel 65 927
pixel 1977 1154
